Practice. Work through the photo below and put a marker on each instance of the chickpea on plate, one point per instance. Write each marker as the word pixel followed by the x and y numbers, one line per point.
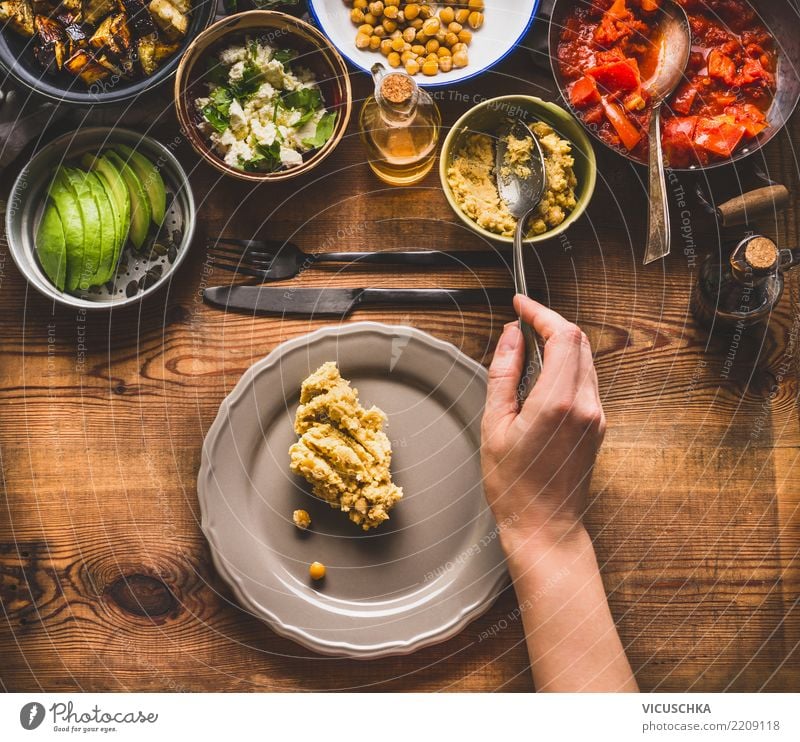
pixel 415 36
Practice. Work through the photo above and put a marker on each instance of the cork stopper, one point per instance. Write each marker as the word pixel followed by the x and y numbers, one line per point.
pixel 397 89
pixel 761 254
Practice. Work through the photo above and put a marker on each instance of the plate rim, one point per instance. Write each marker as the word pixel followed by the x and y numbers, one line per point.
pixel 448 630
pixel 424 83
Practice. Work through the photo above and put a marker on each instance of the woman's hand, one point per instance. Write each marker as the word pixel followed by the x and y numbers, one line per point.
pixel 537 465
pixel 537 461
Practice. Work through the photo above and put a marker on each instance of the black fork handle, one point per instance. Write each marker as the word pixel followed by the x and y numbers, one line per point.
pixel 466 258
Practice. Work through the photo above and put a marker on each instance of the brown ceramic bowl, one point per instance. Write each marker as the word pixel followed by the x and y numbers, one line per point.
pixel 285 32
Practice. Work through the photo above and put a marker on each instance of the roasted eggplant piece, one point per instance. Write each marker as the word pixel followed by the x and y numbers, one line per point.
pixel 146 53
pixel 169 19
pixel 76 35
pixel 113 34
pixel 84 65
pixel 50 48
pixel 163 51
pixel 139 18
pixel 95 10
pixel 18 14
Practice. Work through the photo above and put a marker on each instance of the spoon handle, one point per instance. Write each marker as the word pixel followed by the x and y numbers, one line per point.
pixel 658 226
pixel 533 355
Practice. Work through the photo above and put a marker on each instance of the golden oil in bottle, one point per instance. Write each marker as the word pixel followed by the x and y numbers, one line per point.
pixel 399 126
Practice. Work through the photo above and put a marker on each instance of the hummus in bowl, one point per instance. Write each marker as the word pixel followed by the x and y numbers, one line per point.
pixel 467 167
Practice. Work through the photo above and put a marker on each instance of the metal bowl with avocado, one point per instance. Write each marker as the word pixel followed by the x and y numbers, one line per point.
pixel 100 218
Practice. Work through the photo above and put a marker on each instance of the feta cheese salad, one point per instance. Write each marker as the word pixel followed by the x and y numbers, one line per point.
pixel 263 110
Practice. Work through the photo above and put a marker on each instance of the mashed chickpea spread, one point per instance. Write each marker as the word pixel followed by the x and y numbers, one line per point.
pixel 342 451
pixel 471 177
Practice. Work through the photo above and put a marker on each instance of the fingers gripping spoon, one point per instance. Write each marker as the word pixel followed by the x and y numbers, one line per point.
pixel 522 188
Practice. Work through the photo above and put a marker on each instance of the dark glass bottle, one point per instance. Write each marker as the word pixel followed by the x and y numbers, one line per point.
pixel 742 290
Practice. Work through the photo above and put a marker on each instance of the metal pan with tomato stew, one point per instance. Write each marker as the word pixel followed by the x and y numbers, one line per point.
pixel 605 50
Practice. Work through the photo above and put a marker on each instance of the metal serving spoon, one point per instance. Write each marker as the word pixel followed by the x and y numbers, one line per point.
pixel 674 46
pixel 522 195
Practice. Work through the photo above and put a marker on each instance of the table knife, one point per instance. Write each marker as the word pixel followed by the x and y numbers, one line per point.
pixel 342 301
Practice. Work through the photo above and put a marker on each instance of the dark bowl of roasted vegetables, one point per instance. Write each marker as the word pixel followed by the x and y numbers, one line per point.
pixel 97 51
pixel 102 217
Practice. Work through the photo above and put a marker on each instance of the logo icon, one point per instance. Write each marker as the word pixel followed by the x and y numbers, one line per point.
pixel 32 715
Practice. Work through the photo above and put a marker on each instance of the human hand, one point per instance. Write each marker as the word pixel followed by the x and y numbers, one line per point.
pixel 537 462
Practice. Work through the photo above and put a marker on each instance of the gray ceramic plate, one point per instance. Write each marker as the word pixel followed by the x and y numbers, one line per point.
pixel 419 578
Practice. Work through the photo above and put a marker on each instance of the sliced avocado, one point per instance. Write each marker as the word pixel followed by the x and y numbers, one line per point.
pixel 91 232
pixel 51 246
pixel 108 230
pixel 140 206
pixel 151 179
pixel 69 210
pixel 118 192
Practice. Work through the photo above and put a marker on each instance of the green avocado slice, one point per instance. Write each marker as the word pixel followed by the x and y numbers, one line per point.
pixel 83 278
pixel 118 193
pixel 140 206
pixel 51 246
pixel 151 179
pixel 108 230
pixel 71 215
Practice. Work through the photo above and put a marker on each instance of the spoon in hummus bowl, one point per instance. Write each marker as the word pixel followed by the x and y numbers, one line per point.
pixel 521 183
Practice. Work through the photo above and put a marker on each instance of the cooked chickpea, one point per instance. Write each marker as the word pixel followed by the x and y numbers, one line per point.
pixel 374 43
pixel 465 37
pixel 445 64
pixel 430 68
pixel 376 8
pixel 360 4
pixel 476 4
pixel 418 49
pixel 447 15
pixel 393 59
pixel 454 27
pixel 362 41
pixel 426 11
pixel 475 20
pixel 431 26
pixel 412 67
pixel 451 39
pixel 411 11
pixel 389 25
pixel 386 47
pixel 398 43
pixel 409 34
pixel 366 29
pixel 432 45
pixel 316 570
pixel 460 58
pixel 462 15
pixel 370 18
pixel 379 31
pixel 443 51
pixel 357 15
pixel 407 55
pixel 391 11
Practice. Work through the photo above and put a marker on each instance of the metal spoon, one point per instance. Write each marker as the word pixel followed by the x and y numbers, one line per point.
pixel 675 44
pixel 522 195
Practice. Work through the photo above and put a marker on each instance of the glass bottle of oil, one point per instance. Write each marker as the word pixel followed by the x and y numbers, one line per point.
pixel 399 126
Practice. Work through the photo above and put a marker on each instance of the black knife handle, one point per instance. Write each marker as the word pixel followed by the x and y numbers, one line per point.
pixel 481 297
pixel 439 258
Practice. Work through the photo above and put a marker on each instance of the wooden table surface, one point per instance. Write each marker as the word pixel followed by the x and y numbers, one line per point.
pixel 106 581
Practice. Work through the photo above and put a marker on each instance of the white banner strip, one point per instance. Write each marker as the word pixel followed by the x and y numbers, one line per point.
pixel 399 717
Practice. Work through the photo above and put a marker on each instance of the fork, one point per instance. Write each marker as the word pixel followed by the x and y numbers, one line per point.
pixel 273 260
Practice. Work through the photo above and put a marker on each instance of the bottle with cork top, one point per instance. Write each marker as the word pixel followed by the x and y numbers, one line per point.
pixel 743 290
pixel 400 126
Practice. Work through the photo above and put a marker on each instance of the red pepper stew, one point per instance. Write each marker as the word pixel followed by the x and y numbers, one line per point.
pixel 607 51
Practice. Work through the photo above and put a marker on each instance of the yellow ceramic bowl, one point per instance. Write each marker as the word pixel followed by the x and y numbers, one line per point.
pixel 489 117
